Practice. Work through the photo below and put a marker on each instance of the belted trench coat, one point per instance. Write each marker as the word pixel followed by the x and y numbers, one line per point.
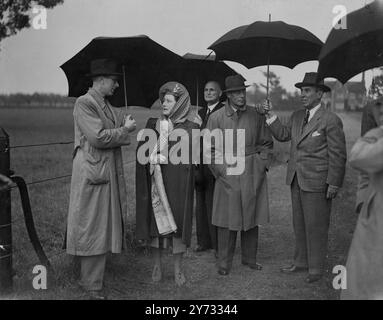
pixel 97 202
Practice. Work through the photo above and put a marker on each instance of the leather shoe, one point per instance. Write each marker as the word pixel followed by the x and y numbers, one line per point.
pixel 200 248
pixel 223 272
pixel 254 266
pixel 293 269
pixel 313 277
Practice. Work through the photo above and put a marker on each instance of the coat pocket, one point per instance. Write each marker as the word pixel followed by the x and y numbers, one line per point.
pixel 96 171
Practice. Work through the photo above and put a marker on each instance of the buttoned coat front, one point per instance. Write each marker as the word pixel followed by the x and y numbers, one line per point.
pixel 240 200
pixel 98 195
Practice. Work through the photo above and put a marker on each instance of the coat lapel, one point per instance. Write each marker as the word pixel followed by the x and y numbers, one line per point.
pixel 312 123
pixel 101 105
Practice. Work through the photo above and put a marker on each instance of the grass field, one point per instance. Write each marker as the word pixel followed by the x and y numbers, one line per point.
pixel 49 202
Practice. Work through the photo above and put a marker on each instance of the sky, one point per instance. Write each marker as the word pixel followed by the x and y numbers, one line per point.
pixel 30 60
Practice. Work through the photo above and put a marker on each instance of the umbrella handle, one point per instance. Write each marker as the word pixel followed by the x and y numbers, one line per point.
pixel 125 95
pixel 267 79
pixel 268 66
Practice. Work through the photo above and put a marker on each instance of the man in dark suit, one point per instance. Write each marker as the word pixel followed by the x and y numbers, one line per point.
pixel 315 172
pixel 206 231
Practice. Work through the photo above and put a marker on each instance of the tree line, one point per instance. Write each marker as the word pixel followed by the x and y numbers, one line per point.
pixel 36 100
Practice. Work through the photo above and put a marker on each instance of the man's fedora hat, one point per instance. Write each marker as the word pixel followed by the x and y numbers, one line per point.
pixel 310 80
pixel 103 67
pixel 234 83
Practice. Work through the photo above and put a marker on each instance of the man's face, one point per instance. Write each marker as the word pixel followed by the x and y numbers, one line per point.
pixel 212 93
pixel 310 96
pixel 237 98
pixel 109 84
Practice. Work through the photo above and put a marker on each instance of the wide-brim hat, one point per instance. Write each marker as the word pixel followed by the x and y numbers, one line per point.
pixel 103 67
pixel 310 80
pixel 234 83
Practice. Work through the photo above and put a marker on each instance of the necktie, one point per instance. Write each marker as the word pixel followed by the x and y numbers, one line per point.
pixel 206 115
pixel 306 119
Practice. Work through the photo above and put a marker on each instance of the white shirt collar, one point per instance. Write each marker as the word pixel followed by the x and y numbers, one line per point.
pixel 313 111
pixel 211 108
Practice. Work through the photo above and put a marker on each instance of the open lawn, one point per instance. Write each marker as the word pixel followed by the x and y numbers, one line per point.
pixel 129 275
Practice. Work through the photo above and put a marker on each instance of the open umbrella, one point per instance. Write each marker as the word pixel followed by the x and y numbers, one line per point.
pixel 264 43
pixel 144 62
pixel 359 47
pixel 201 70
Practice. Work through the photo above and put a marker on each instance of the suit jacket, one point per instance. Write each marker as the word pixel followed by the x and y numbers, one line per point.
pixel 203 172
pixel 318 154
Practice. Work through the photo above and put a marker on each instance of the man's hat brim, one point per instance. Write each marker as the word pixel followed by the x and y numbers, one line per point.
pixel 323 87
pixel 235 88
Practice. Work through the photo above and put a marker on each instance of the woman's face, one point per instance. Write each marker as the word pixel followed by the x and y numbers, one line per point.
pixel 168 104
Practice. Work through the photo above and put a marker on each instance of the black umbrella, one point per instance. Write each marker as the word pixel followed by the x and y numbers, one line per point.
pixel 145 64
pixel 359 47
pixel 202 69
pixel 264 43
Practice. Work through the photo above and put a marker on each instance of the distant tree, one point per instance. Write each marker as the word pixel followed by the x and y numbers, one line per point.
pixel 276 92
pixel 15 14
pixel 254 94
pixel 376 88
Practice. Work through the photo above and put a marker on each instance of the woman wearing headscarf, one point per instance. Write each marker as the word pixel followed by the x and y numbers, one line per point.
pixel 364 268
pixel 165 186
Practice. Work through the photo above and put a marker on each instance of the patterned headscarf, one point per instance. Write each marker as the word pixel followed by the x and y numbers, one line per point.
pixel 182 110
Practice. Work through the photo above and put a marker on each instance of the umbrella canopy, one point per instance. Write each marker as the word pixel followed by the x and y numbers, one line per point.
pixel 262 43
pixel 359 47
pixel 146 65
pixel 202 69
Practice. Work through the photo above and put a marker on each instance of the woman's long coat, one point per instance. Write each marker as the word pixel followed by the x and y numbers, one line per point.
pixel 364 268
pixel 179 186
pixel 98 194
pixel 240 200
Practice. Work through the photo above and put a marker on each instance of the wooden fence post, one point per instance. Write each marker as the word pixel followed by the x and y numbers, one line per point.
pixel 6 282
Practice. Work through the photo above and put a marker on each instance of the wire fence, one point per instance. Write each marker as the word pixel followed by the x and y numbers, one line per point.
pixel 50 144
pixel 42 223
pixel 41 144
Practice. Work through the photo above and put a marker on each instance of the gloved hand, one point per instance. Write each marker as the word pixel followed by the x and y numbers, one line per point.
pixel 158 159
pixel 130 123
pixel 332 191
pixel 5 183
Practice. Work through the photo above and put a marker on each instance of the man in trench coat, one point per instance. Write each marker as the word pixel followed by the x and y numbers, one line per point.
pixel 97 196
pixel 315 173
pixel 240 200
